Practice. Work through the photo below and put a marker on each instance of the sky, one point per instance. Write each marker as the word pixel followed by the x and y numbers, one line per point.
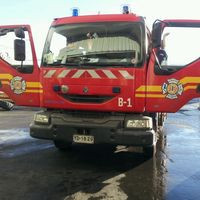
pixel 40 13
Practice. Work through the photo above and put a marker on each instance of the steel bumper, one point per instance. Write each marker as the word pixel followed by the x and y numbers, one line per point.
pixel 108 130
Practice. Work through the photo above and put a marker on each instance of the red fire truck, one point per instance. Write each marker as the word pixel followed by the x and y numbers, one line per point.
pixel 101 80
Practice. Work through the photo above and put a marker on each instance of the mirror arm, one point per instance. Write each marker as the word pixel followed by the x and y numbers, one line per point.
pixel 21 64
pixel 156 58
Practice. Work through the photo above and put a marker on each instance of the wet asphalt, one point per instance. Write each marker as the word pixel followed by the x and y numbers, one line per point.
pixel 32 169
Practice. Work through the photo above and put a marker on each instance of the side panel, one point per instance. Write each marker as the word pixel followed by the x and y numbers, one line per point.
pixel 21 86
pixel 168 93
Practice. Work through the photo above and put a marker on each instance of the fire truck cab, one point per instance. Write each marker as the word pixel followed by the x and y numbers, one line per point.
pixel 101 79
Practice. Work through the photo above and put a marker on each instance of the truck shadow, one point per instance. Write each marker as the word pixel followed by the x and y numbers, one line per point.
pixel 87 172
pixel 126 171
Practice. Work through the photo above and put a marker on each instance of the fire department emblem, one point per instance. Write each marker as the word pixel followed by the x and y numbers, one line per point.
pixel 172 88
pixel 18 85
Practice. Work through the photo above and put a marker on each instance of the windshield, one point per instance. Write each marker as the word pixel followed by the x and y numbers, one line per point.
pixel 95 44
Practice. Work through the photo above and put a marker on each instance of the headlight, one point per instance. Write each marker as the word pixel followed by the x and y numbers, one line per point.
pixel 139 123
pixel 41 118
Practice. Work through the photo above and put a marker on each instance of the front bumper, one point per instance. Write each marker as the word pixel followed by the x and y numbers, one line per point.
pixel 107 129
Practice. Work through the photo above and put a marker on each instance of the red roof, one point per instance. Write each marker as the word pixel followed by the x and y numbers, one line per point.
pixel 96 18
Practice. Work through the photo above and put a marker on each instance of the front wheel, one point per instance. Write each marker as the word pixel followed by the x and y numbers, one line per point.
pixel 149 151
pixel 62 146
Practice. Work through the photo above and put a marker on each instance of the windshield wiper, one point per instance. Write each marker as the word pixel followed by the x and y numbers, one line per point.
pixel 59 64
pixel 85 61
pixel 104 62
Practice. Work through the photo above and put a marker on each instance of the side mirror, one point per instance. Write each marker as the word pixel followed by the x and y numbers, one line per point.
pixel 19 50
pixel 19 33
pixel 156 34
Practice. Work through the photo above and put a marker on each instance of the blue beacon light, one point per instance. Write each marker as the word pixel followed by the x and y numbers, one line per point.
pixel 75 12
pixel 125 9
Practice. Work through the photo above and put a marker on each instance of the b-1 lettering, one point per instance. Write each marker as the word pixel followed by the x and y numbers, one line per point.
pixel 122 102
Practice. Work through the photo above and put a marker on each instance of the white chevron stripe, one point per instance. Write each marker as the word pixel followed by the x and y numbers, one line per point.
pixel 64 73
pixel 109 74
pixel 93 74
pixel 78 73
pixel 126 74
pixel 50 73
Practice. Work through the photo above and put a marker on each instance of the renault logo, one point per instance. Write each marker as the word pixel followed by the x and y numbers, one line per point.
pixel 85 90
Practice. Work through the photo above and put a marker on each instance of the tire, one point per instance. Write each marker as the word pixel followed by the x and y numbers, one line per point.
pixel 62 146
pixel 149 151
pixel 155 121
pixel 161 120
pixel 6 105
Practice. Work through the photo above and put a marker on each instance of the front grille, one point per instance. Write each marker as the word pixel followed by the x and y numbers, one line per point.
pixel 89 115
pixel 87 98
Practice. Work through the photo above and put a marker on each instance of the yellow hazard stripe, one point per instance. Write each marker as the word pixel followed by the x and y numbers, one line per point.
pixel 190 87
pixel 6 76
pixel 142 88
pixel 187 80
pixel 5 82
pixel 150 95
pixel 140 95
pixel 155 95
pixel 28 84
pixel 33 85
pixel 33 91
pixel 149 88
pixel 158 88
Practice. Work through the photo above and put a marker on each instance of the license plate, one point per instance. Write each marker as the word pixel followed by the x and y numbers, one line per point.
pixel 86 139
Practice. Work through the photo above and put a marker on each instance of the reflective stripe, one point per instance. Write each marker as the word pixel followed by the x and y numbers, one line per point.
pixel 150 95
pixel 6 76
pixel 33 85
pixel 190 87
pixel 63 73
pixel 78 74
pixel 109 74
pixel 50 73
pixel 149 88
pixel 189 79
pixel 140 95
pixel 155 95
pixel 5 82
pixel 33 91
pixel 93 74
pixel 126 74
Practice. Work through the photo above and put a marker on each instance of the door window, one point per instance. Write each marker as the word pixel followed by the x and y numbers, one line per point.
pixel 181 45
pixel 7 38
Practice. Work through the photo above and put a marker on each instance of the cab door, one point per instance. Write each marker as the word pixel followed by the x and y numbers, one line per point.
pixel 173 81
pixel 19 72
